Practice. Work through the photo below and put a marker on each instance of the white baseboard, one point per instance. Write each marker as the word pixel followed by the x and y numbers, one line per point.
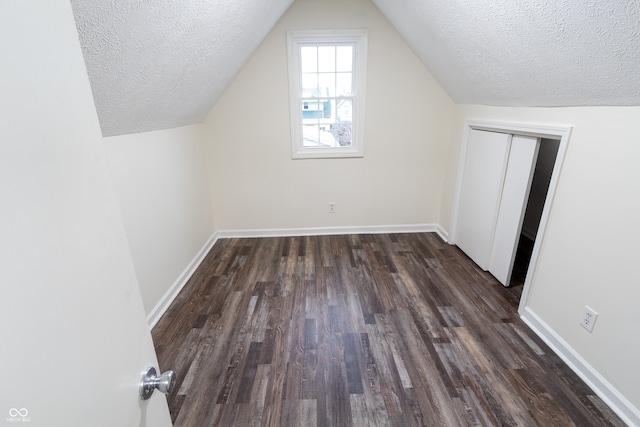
pixel 444 235
pixel 325 231
pixel 161 307
pixel 612 397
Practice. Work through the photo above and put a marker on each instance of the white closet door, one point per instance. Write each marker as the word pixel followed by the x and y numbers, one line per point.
pixel 515 193
pixel 483 177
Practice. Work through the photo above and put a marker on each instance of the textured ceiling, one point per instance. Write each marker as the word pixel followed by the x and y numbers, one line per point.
pixel 526 52
pixel 157 64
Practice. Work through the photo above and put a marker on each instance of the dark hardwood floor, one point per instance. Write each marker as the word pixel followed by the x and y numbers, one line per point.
pixel 360 330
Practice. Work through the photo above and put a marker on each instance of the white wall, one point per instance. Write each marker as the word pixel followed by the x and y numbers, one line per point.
pixel 590 250
pixel 162 187
pixel 255 183
pixel 73 336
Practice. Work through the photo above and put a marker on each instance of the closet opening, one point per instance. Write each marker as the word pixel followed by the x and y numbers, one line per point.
pixel 543 171
pixel 504 194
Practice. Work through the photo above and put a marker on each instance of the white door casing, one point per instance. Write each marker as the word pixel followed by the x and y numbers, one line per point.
pixel 73 335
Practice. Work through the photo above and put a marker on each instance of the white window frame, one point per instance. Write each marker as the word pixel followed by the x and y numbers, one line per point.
pixel 295 40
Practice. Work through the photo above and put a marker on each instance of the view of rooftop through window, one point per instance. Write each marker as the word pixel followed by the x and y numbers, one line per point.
pixel 327 95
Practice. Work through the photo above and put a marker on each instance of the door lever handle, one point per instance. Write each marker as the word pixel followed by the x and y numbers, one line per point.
pixel 165 382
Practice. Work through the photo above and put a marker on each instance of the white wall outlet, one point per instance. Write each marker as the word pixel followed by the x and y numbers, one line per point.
pixel 588 318
pixel 332 207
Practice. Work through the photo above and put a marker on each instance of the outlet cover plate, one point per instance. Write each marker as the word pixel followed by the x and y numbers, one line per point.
pixel 588 318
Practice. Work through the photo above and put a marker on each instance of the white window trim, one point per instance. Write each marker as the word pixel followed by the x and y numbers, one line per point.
pixel 296 38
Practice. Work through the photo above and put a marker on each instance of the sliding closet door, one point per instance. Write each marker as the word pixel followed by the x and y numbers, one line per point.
pixel 515 193
pixel 484 170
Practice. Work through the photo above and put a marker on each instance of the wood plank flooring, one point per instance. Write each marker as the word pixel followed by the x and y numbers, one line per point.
pixel 360 330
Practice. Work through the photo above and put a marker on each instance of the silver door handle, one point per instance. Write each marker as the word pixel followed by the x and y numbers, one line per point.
pixel 151 381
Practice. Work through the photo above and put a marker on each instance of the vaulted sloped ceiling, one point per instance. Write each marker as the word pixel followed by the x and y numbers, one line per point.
pixel 157 64
pixel 526 52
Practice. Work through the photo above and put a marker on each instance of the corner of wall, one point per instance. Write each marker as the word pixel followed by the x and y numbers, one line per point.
pixel 161 307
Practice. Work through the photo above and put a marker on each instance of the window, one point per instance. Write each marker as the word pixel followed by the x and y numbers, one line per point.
pixel 327 79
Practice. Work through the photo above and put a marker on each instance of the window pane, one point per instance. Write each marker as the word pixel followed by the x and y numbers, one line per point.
pixel 344 119
pixel 345 111
pixel 309 59
pixel 314 110
pixel 326 58
pixel 327 84
pixel 318 136
pixel 310 84
pixel 344 58
pixel 327 123
pixel 342 134
pixel 344 84
pixel 310 135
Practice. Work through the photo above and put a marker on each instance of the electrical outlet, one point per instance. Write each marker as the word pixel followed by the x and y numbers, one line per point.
pixel 332 207
pixel 588 318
